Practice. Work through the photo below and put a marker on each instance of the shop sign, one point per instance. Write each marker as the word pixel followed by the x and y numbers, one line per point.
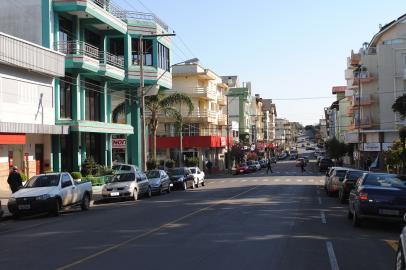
pixel 223 142
pixel 120 143
pixel 372 147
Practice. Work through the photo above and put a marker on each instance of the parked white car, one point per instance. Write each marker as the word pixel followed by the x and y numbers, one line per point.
pixel 198 176
pixel 125 168
pixel 127 185
pixel 50 193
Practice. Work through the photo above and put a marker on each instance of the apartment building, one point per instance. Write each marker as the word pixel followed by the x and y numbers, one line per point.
pixel 239 99
pixel 280 132
pixel 205 129
pixel 27 113
pixel 375 78
pixel 270 114
pixel 102 44
pixel 342 116
pixel 257 121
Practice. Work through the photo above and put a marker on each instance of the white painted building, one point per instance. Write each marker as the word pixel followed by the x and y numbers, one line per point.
pixel 27 113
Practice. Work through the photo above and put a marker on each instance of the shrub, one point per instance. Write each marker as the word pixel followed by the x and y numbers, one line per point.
pixel 170 164
pixel 89 167
pixel 76 175
pixel 23 177
pixel 96 181
pixel 151 164
pixel 104 170
pixel 192 162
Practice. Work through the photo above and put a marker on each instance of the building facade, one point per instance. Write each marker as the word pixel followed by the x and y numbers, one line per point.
pixel 102 45
pixel 204 131
pixel 27 110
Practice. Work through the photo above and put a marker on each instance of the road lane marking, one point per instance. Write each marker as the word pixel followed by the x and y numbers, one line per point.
pixel 332 256
pixel 320 201
pixel 265 180
pixel 150 232
pixel 223 181
pixel 277 180
pixel 323 217
pixel 245 180
pixel 288 180
pixel 393 244
pixel 311 180
pixel 299 180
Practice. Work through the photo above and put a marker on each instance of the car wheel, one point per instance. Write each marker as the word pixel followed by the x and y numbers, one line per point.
pixel 193 184
pixel 161 190
pixel 57 208
pixel 85 205
pixel 135 195
pixel 203 184
pixel 149 192
pixel 356 221
pixel 184 186
pixel 400 260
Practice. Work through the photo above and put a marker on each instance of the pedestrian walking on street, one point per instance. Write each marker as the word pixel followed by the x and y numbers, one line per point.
pixel 269 166
pixel 302 166
pixel 14 180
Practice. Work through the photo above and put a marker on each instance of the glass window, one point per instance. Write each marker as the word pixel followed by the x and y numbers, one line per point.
pixel 65 97
pixel 148 52
pixel 125 177
pixel 153 174
pixel 191 130
pixel 92 101
pixel 163 57
pixel 66 182
pixel 385 180
pixel 43 181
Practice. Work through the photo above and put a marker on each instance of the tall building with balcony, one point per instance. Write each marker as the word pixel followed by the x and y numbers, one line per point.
pixel 375 78
pixel 102 45
pixel 204 131
pixel 27 114
pixel 270 114
pixel 257 121
pixel 239 99
pixel 343 118
pixel 281 132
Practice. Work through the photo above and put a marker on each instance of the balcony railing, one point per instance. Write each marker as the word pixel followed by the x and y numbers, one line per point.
pixel 146 17
pixel 111 59
pixel 364 76
pixel 363 124
pixel 112 8
pixel 364 101
pixel 82 48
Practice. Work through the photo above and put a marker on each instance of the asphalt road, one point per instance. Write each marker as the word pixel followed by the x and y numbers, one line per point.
pixel 283 221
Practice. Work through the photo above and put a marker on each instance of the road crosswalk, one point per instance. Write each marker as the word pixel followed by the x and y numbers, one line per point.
pixel 278 180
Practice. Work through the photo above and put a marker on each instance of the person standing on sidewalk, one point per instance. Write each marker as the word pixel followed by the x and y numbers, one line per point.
pixel 269 166
pixel 14 180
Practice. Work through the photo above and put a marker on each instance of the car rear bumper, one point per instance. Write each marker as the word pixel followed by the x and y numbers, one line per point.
pixel 382 212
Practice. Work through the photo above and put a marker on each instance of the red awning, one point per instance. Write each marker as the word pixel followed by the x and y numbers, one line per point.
pixel 7 138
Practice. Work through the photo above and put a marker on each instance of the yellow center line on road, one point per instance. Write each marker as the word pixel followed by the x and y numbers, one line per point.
pixel 393 244
pixel 166 225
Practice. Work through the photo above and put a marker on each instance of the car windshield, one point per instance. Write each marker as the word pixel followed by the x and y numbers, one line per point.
pixel 43 181
pixel 153 174
pixel 172 172
pixel 193 170
pixel 385 180
pixel 340 173
pixel 125 177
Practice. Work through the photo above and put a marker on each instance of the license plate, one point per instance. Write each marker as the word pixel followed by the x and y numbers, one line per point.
pixel 389 212
pixel 24 207
pixel 115 194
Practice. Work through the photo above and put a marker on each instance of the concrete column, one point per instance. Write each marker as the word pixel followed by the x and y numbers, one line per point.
pixel 108 150
pixel 57 99
pixel 76 155
pixel 56 153
pixel 127 51
pixel 76 108
pixel 134 141
pixel 82 98
pixel 103 104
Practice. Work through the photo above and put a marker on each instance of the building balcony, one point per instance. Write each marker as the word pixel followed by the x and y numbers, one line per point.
pixel 366 123
pixel 198 92
pixel 349 74
pixel 354 59
pixel 222 100
pixel 222 120
pixel 202 116
pixel 365 100
pixel 23 54
pixel 102 14
pixel 81 55
pixel 152 75
pixel 363 77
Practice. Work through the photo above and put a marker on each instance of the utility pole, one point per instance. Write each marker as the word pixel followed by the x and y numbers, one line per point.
pixel 142 96
pixel 359 116
pixel 228 137
pixel 180 139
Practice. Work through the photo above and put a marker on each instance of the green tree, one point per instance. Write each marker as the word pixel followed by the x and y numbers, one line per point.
pixel 336 149
pixel 393 160
pixel 157 105
pixel 400 106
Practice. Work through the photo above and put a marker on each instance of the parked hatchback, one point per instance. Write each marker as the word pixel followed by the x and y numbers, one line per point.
pixel 159 181
pixel 127 185
pixel 336 176
pixel 378 196
pixel 198 176
pixel 181 178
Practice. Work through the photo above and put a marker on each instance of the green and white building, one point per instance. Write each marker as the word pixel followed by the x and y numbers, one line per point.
pixel 102 70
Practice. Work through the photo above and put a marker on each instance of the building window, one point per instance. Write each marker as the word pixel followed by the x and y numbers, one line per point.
pixel 92 101
pixel 65 97
pixel 170 130
pixel 94 146
pixel 148 52
pixel 191 130
pixel 163 57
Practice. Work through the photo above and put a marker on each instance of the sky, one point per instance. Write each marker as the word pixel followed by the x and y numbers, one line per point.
pixel 293 51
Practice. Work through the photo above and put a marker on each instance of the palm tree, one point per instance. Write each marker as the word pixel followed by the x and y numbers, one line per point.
pixel 162 104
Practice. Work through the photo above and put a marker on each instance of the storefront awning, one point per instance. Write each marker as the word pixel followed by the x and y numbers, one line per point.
pixel 7 138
